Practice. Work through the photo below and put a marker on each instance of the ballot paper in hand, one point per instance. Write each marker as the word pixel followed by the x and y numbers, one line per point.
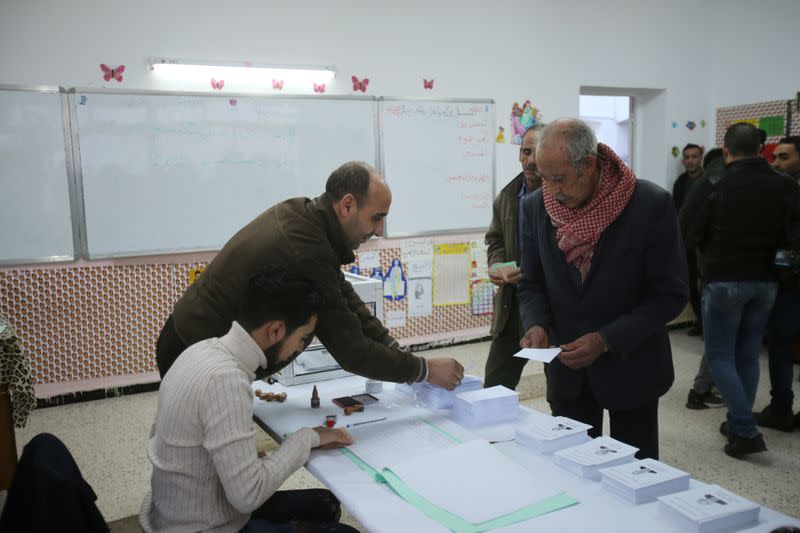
pixel 587 459
pixel 545 355
pixel 644 481
pixel 486 406
pixel 548 434
pixel 709 509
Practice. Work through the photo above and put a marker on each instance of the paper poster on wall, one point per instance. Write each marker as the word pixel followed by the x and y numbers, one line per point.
pixel 420 298
pixel 417 254
pixel 371 259
pixel 523 118
pixel 395 318
pixel 376 274
pixel 478 254
pixel 482 295
pixel 451 268
pixel 394 285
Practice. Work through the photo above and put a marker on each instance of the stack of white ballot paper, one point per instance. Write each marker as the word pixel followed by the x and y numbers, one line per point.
pixel 587 459
pixel 644 481
pixel 486 406
pixel 437 397
pixel 711 509
pixel 547 434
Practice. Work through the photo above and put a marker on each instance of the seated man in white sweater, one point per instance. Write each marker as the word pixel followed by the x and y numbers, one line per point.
pixel 207 475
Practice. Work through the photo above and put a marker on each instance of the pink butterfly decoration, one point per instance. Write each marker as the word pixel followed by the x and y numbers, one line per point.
pixel 232 102
pixel 360 85
pixel 319 88
pixel 277 85
pixel 109 72
pixel 427 84
pixel 217 85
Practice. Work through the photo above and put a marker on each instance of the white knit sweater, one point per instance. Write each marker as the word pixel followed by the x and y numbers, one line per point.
pixel 206 472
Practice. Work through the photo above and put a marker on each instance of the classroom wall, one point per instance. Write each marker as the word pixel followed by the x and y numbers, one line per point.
pixel 506 50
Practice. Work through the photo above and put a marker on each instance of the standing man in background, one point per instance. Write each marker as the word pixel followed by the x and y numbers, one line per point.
pixel 503 239
pixel 692 157
pixel 784 321
pixel 749 215
pixel 319 236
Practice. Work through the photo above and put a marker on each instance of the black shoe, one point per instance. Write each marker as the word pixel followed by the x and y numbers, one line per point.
pixel 710 397
pixel 738 447
pixel 723 428
pixel 695 331
pixel 797 420
pixel 770 418
pixel 695 401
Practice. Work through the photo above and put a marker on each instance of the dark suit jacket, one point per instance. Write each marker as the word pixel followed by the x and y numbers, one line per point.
pixel 503 246
pixel 637 283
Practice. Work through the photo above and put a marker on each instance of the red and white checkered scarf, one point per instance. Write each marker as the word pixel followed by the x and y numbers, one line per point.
pixel 579 230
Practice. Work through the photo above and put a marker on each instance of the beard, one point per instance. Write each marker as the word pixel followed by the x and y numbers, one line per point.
pixel 274 365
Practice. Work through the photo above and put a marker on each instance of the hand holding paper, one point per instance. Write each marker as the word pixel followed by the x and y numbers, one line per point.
pixel 536 337
pixel 545 355
pixel 583 351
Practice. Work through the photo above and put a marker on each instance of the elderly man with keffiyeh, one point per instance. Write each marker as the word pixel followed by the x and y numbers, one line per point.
pixel 604 271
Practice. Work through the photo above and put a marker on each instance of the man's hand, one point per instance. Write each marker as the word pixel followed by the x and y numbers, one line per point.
pixel 330 438
pixel 504 274
pixel 445 372
pixel 583 351
pixel 536 337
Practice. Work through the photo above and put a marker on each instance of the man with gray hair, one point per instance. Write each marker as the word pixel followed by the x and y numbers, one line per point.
pixel 603 272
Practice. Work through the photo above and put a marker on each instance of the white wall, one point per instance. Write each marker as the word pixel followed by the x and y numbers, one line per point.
pixel 505 50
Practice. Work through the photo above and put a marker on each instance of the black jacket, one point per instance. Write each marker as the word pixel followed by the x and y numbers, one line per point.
pixel 741 219
pixel 679 193
pixel 637 283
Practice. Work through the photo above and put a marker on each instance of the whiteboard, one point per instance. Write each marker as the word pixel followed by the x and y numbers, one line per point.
pixel 184 172
pixel 35 224
pixel 438 159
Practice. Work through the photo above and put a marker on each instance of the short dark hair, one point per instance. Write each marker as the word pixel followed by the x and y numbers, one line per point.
pixel 276 293
pixel 743 139
pixel 714 153
pixel 350 178
pixel 792 139
pixel 690 146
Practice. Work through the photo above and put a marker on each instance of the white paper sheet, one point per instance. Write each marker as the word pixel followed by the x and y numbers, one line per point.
pixel 596 452
pixel 707 503
pixel 370 259
pixel 643 473
pixel 459 479
pixel 554 427
pixel 394 441
pixel 420 299
pixel 451 274
pixel 395 318
pixel 545 355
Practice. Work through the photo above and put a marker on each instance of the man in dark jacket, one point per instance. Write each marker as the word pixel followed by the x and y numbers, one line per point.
pixel 783 326
pixel 701 394
pixel 749 214
pixel 320 235
pixel 692 156
pixel 603 272
pixel 502 368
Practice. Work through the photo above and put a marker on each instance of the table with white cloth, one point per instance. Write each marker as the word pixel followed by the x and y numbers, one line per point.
pixel 381 510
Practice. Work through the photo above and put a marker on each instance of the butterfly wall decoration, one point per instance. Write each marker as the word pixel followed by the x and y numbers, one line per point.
pixel 319 88
pixel 112 73
pixel 428 84
pixel 360 85
pixel 217 85
pixel 277 85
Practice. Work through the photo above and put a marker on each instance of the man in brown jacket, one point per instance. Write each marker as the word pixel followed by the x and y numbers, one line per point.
pixel 502 368
pixel 318 235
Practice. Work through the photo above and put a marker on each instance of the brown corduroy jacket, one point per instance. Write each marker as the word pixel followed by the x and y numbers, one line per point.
pixel 305 234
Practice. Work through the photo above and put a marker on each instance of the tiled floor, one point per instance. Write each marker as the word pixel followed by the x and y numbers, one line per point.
pixel 108 439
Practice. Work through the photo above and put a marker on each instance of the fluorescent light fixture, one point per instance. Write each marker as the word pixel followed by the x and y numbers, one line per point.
pixel 239 72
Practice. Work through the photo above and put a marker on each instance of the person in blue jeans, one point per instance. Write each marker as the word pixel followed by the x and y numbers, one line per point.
pixel 751 212
pixel 784 323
